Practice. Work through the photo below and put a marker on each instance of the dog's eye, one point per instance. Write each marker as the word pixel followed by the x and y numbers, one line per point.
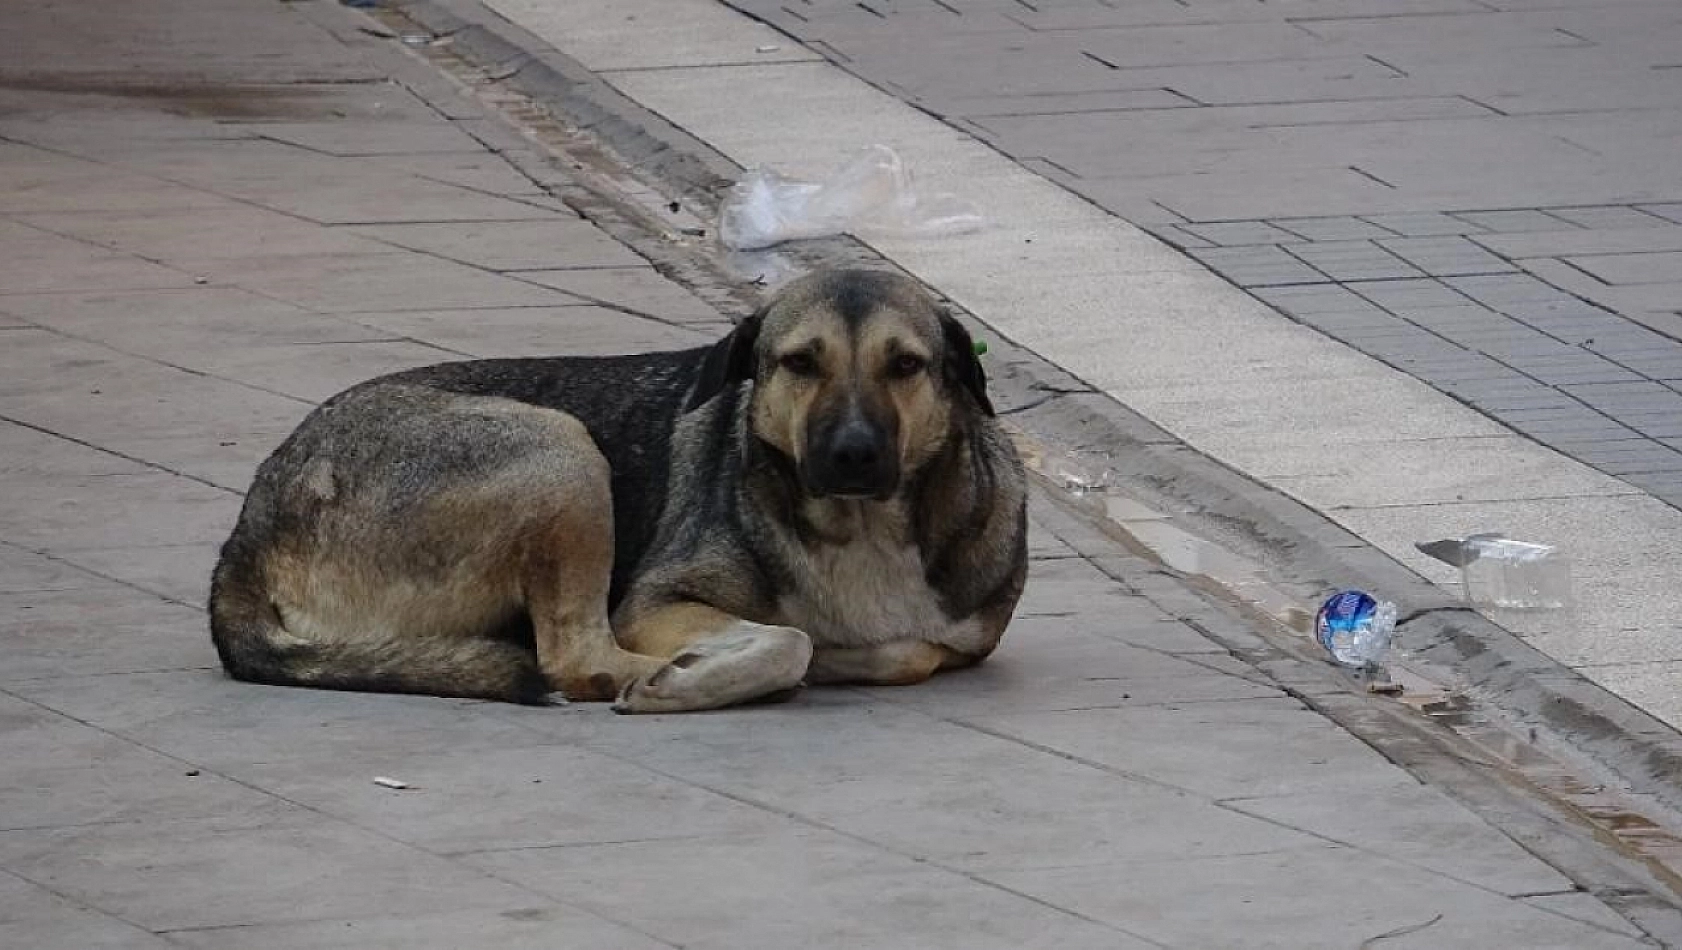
pixel 906 365
pixel 800 364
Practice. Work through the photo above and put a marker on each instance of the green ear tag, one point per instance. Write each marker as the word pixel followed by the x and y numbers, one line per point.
pixel 980 347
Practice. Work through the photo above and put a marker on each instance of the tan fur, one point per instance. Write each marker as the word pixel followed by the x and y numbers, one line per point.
pixel 890 664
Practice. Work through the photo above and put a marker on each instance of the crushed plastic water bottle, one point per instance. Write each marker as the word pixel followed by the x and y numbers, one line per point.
pixel 1355 629
pixel 1505 574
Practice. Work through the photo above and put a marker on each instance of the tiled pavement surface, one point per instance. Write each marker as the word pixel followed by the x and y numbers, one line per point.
pixel 195 249
pixel 1482 193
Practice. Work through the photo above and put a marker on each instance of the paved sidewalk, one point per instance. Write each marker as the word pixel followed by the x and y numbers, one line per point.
pixel 1485 195
pixel 1404 367
pixel 220 211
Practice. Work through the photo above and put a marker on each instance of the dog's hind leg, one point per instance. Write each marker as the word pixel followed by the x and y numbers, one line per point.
pixel 715 659
pixel 568 565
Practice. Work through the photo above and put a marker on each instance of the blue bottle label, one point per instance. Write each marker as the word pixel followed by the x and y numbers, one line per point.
pixel 1344 612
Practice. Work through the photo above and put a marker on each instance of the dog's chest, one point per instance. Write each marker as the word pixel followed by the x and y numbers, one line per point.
pixel 867 591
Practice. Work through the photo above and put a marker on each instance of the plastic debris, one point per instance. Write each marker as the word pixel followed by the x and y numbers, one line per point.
pixel 1355 628
pixel 397 784
pixel 1503 574
pixel 766 49
pixel 1076 473
pixel 872 194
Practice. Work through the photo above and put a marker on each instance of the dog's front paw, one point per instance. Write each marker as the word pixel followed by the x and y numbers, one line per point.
pixel 747 662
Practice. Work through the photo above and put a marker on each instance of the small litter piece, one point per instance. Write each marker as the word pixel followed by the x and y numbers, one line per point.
pixel 766 49
pixel 397 784
pixel 1502 573
pixel 872 194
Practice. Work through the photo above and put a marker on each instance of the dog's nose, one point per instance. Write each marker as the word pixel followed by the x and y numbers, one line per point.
pixel 855 454
pixel 857 461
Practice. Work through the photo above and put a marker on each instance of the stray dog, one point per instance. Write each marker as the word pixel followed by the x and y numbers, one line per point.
pixel 823 495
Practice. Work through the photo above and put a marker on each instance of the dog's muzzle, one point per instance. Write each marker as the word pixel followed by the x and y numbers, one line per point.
pixel 853 458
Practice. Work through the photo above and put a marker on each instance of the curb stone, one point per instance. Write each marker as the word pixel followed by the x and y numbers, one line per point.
pixel 1305 553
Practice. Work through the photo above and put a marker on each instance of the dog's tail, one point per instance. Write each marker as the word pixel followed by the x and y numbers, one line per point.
pixel 256 647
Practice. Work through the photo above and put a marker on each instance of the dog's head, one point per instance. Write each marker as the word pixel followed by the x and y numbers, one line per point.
pixel 857 377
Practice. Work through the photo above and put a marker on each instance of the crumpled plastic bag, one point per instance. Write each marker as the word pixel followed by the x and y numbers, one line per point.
pixel 872 194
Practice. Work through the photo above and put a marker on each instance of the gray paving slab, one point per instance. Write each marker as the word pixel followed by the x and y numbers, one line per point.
pixel 1213 749
pixel 532 331
pixel 58 633
pixel 512 245
pixel 295 865
pixel 35 916
pixel 804 886
pixel 538 925
pixel 1282 900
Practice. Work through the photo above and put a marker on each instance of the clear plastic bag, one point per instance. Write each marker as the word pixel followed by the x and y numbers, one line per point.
pixel 873 193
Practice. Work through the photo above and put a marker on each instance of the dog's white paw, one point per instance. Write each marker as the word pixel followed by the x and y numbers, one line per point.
pixel 749 661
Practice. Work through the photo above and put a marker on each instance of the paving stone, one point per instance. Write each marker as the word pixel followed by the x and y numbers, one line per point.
pixel 1423 224
pixel 512 245
pixel 1436 471
pixel 637 289
pixel 174 572
pixel 35 916
pixel 23 571
pixel 38 261
pixel 1231 233
pixel 1632 466
pixel 1280 900
pixel 581 330
pixel 803 887
pixel 1258 266
pixel 1316 298
pixel 534 924
pixel 350 283
pixel 1446 256
pixel 1638 395
pixel 1649 268
pixel 100 511
pixel 1344 228
pixel 1665 236
pixel 1175 236
pixel 63 774
pixel 1501 290
pixel 1639 452
pixel 1410 294
pixel 1420 826
pixel 1608 217
pixel 1670 211
pixel 167 875
pixel 79 632
pixel 545 796
pixel 1354 261
pixel 377 137
pixel 201 233
pixel 1510 221
pixel 1043 666
pixel 1212 749
pixel 1589 911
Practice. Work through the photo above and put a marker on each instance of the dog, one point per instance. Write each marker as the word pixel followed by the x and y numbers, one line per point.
pixel 823 496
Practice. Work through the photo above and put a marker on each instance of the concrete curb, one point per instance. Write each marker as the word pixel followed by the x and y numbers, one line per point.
pixel 1307 554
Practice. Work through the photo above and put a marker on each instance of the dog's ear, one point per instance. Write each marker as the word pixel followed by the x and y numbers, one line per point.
pixel 730 361
pixel 963 364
